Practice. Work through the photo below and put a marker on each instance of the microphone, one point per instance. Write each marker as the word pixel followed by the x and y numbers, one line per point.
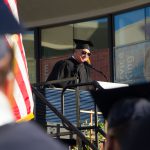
pixel 90 66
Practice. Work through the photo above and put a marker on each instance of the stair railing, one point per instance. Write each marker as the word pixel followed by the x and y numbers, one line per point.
pixel 64 119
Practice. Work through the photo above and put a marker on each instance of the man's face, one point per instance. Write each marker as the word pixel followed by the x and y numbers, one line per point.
pixel 82 55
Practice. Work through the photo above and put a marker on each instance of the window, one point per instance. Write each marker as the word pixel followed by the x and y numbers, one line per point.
pixel 95 31
pixel 57 44
pixel 129 27
pixel 147 26
pixel 28 42
pixel 132 48
pixel 57 41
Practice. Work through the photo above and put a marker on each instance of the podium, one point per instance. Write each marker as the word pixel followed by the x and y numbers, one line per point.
pixel 111 85
pixel 53 95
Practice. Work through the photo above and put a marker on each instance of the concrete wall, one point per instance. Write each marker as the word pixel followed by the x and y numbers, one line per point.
pixel 50 12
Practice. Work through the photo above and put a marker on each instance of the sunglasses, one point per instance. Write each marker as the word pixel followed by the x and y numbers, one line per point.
pixel 84 53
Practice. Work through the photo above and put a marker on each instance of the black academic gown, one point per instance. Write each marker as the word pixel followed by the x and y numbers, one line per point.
pixel 70 68
pixel 27 136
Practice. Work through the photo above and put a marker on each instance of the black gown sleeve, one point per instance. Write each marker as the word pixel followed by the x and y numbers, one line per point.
pixel 60 71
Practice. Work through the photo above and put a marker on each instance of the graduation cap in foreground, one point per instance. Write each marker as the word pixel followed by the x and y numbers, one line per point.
pixel 9 24
pixel 141 136
pixel 107 99
pixel 82 44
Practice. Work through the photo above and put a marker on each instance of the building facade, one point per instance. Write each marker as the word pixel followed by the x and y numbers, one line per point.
pixel 121 39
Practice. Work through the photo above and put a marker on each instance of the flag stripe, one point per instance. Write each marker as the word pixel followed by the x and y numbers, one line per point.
pixel 21 82
pixel 12 4
pixel 22 51
pixel 13 8
pixel 22 79
pixel 15 109
pixel 19 100
pixel 22 90
pixel 23 75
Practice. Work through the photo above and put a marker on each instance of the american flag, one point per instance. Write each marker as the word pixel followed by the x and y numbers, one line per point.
pixel 22 96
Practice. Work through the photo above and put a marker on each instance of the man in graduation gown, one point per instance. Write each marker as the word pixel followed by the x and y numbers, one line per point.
pixel 75 66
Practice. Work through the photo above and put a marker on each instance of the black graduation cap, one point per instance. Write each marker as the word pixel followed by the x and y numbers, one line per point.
pixel 106 98
pixel 9 24
pixel 83 44
pixel 140 138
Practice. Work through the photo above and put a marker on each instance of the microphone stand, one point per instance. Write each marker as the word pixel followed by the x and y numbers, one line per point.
pixel 90 66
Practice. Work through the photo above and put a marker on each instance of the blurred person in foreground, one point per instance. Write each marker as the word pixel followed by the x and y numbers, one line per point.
pixel 123 108
pixel 75 66
pixel 18 136
pixel 140 140
pixel 15 136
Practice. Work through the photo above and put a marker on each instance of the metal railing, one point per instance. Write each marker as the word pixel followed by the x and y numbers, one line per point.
pixel 95 127
pixel 66 121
